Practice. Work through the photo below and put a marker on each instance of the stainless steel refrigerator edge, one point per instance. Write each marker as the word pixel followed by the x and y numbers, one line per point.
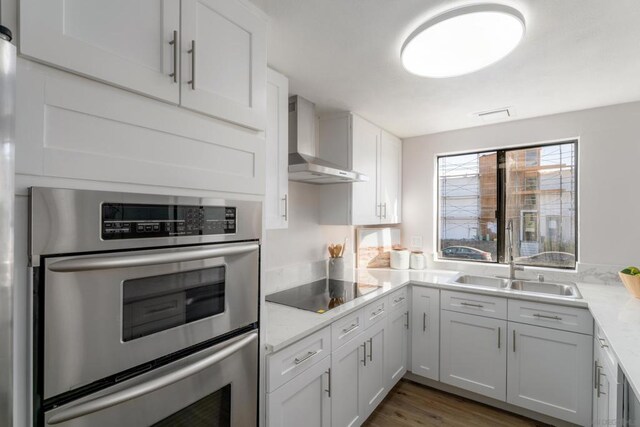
pixel 7 108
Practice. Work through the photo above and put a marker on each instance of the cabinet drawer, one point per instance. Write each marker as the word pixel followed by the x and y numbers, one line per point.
pixel 375 312
pixel 297 358
pixel 398 299
pixel 482 305
pixel 570 319
pixel 342 330
pixel 603 348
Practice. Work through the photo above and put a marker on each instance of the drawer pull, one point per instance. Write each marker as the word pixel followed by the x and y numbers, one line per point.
pixel 468 304
pixel 602 343
pixel 350 328
pixel 364 360
pixel 396 301
pixel 377 312
pixel 308 356
pixel 542 316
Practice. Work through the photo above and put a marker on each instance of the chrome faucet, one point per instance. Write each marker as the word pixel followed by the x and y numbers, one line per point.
pixel 512 265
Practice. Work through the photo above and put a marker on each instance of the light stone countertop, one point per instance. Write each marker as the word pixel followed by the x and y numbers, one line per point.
pixel 614 309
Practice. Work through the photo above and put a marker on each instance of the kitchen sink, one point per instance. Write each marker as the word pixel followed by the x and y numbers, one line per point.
pixel 559 289
pixel 482 281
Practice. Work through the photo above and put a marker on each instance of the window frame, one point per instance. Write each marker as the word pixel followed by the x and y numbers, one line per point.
pixel 501 202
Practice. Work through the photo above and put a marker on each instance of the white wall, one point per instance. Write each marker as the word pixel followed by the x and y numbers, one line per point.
pixel 305 241
pixel 608 175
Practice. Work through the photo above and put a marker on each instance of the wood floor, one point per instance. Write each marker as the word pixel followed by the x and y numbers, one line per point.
pixel 411 404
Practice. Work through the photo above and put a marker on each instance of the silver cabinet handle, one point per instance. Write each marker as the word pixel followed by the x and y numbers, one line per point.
pixel 385 211
pixel 542 316
pixel 595 374
pixel 192 51
pixel 424 322
pixel 499 336
pixel 407 324
pixel 328 390
pixel 395 301
pixel 174 43
pixel 286 207
pixel 306 357
pixel 106 262
pixel 514 340
pixel 377 312
pixel 370 349
pixel 350 328
pixel 468 304
pixel 364 360
pixel 150 386
pixel 602 342
pixel 598 384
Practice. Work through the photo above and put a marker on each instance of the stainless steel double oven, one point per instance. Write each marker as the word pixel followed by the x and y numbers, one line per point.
pixel 145 309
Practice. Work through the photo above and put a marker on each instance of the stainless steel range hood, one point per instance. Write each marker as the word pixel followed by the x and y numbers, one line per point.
pixel 304 166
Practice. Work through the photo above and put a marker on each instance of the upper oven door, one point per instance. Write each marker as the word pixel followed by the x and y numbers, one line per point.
pixel 109 313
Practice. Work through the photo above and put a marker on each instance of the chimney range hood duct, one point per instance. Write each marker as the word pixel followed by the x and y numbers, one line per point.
pixel 304 166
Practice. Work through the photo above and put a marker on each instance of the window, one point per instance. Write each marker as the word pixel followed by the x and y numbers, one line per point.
pixel 535 188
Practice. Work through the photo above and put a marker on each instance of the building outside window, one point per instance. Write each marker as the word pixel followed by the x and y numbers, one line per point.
pixel 536 188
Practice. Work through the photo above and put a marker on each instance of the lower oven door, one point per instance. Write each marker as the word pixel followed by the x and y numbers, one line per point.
pixel 214 387
pixel 106 314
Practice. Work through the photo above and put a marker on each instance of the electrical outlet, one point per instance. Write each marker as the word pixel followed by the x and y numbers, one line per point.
pixel 416 242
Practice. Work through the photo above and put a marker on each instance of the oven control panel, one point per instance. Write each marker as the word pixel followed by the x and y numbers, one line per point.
pixel 137 221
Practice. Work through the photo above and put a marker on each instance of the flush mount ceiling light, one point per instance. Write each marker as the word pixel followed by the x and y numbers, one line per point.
pixel 462 40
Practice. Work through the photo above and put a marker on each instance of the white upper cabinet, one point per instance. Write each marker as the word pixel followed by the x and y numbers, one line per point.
pixel 390 178
pixel 206 55
pixel 354 143
pixel 276 203
pixel 224 61
pixel 129 44
pixel 366 154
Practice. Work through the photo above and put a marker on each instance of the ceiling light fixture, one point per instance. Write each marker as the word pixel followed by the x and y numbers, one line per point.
pixel 462 40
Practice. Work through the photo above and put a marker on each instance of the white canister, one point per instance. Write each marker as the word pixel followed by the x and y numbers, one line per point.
pixel 418 260
pixel 400 259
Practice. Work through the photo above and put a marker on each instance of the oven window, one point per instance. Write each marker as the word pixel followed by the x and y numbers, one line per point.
pixel 213 410
pixel 154 304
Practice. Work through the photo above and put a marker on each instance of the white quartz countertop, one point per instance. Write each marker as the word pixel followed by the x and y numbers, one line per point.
pixel 613 308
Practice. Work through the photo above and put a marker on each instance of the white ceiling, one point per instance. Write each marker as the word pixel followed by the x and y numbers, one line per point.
pixel 345 55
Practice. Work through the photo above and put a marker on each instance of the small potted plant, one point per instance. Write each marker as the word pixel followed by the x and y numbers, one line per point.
pixel 630 276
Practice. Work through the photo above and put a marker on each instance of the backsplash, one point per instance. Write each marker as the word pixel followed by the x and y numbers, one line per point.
pixel 290 276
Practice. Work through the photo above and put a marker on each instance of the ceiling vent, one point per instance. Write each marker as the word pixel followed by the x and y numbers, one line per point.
pixel 495 115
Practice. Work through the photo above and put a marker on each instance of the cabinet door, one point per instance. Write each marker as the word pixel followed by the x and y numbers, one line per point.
pixel 365 151
pixel 347 367
pixel 396 346
pixel 473 353
pixel 224 61
pixel 550 372
pixel 390 178
pixel 425 327
pixel 372 380
pixel 276 202
pixel 123 42
pixel 303 401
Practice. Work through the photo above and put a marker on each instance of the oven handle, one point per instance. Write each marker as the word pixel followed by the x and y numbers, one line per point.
pixel 124 261
pixel 150 386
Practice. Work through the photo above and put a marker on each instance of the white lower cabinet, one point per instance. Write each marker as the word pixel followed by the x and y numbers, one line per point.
pixel 303 401
pixel 473 353
pixel 549 371
pixel 373 386
pixel 347 368
pixel 396 345
pixel 425 332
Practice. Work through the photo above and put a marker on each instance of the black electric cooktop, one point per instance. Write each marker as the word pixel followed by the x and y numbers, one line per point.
pixel 322 295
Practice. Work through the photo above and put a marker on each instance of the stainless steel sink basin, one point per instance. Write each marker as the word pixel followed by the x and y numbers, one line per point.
pixel 559 289
pixel 482 281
